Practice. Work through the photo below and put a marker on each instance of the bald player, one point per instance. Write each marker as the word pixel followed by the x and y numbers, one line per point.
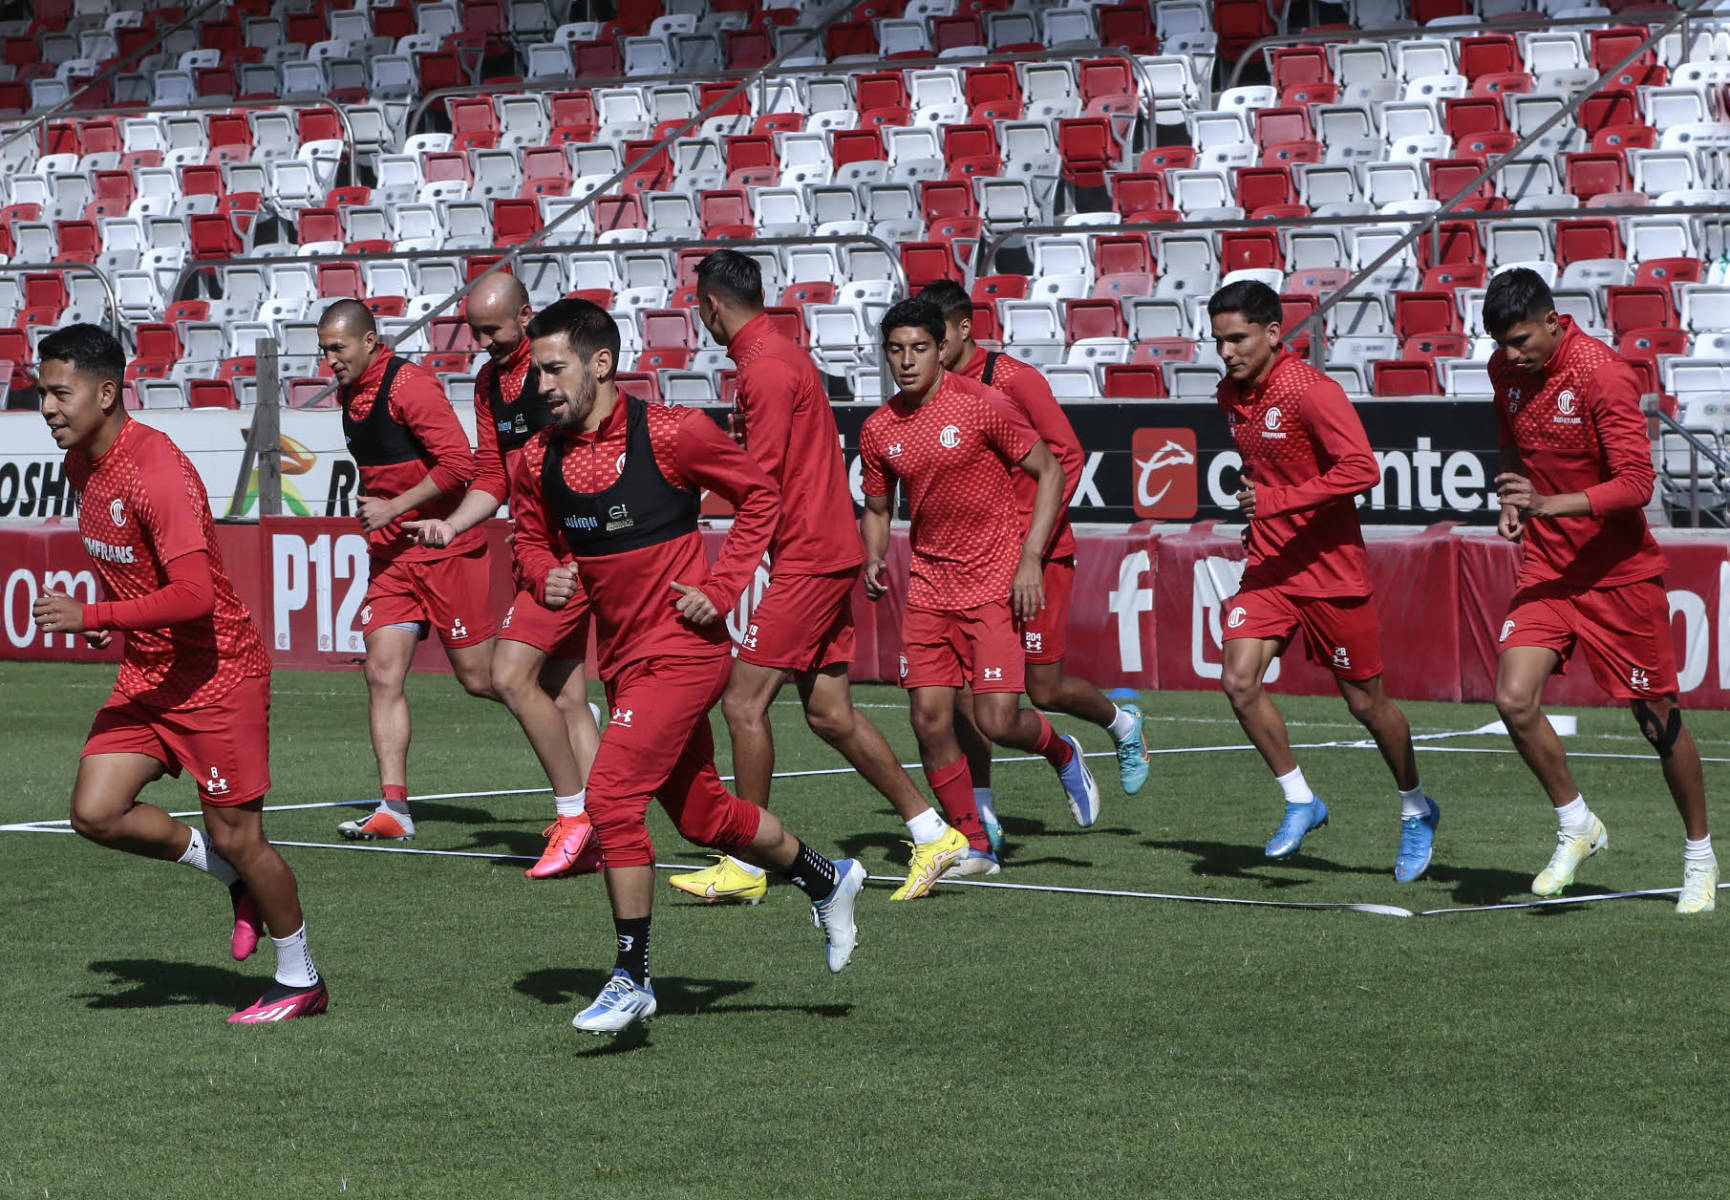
pixel 538 660
pixel 415 463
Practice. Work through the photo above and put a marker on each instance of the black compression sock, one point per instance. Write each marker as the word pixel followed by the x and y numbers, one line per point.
pixel 813 874
pixel 633 959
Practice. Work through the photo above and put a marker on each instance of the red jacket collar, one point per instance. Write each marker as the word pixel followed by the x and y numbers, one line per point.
pixel 750 334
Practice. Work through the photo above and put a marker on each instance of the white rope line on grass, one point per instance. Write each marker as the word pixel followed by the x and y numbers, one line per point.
pixel 1385 910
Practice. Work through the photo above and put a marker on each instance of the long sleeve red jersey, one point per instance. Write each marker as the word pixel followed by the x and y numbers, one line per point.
pixel 1305 450
pixel 144 515
pixel 417 436
pixel 630 591
pixel 1027 390
pixel 1578 428
pixel 790 431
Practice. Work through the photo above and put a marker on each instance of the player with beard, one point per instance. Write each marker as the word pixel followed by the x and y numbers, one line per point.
pixel 607 497
pixel 537 667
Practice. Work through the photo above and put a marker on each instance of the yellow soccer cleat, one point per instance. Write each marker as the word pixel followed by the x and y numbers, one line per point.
pixel 1699 888
pixel 930 860
pixel 1571 851
pixel 726 880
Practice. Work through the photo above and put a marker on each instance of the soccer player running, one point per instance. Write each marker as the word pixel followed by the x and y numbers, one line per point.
pixel 1045 635
pixel 414 462
pixel 608 495
pixel 1305 456
pixel 803 627
pixel 976 568
pixel 1577 473
pixel 537 664
pixel 193 691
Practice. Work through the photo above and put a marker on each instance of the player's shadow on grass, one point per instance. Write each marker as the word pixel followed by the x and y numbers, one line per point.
pixel 888 845
pixel 1030 827
pixel 1487 885
pixel 675 995
pixel 152 983
pixel 1234 860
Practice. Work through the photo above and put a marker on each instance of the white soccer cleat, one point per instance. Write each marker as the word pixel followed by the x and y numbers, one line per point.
pixel 1699 888
pixel 1571 851
pixel 622 1003
pixel 834 916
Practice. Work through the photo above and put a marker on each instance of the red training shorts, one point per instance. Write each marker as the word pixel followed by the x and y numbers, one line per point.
pixel 1046 637
pixel 555 632
pixel 1624 633
pixel 453 595
pixel 803 623
pixel 225 745
pixel 1340 633
pixel 657 743
pixel 975 648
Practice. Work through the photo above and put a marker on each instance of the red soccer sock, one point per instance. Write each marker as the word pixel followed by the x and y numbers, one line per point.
pixel 396 792
pixel 1056 751
pixel 953 787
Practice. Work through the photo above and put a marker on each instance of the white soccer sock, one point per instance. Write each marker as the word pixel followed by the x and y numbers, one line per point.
pixel 1413 803
pixel 927 826
pixel 1575 818
pixel 745 866
pixel 294 961
pixel 1295 789
pixel 571 806
pixel 1123 725
pixel 1698 851
pixel 985 804
pixel 199 854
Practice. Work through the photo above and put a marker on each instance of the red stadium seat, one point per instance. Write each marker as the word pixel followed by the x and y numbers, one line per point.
pixel 1590 174
pixel 1612 107
pixel 1501 84
pixel 1296 65
pixel 1640 306
pixel 1117 254
pixel 319 225
pixel 927 262
pixel 1139 191
pixel 210 393
pixel 993 93
pixel 1258 187
pixel 1465 115
pixel 1425 312
pixel 1449 177
pixel 1426 347
pixel 1588 237
pixel 1134 381
pixel 1107 87
pixel 1489 54
pixel 1398 377
pixel 1093 319
pixel 1127 25
pixel 988 289
pixel 1666 271
pixel 1088 150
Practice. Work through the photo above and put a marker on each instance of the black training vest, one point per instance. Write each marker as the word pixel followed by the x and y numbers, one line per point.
pixel 517 423
pixel 640 509
pixel 376 440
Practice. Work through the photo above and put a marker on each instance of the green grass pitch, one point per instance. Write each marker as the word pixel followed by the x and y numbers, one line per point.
pixel 984 1043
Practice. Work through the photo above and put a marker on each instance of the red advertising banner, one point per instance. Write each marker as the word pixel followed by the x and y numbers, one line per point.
pixel 1147 610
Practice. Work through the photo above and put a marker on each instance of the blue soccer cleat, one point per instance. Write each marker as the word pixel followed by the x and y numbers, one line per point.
pixel 1299 819
pixel 1417 840
pixel 1132 755
pixel 621 1004
pixel 1078 786
pixel 834 915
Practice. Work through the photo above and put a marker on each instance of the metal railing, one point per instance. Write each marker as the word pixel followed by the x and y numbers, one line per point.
pixel 203 266
pixel 1514 23
pixel 1313 322
pixel 114 69
pixel 226 106
pixel 1697 449
pixel 539 237
pixel 990 246
pixel 852 66
pixel 13 268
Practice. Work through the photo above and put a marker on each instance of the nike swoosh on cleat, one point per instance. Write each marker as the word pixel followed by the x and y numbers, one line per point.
pixel 709 893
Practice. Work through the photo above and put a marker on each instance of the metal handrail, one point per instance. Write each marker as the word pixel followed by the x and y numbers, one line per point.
pixel 114 69
pixel 203 265
pixel 1480 216
pixel 1313 322
pixel 227 105
pixel 1514 23
pixel 539 237
pixel 12 268
pixel 1144 92
pixel 1696 449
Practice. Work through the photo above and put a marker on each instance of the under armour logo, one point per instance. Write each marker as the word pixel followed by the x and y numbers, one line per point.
pixel 1032 642
pixel 893 450
pixel 749 641
pixel 622 716
pixel 1639 681
pixel 215 785
pixel 993 674
pixel 458 630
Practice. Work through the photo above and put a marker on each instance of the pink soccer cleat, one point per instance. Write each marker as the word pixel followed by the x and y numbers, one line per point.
pixel 248 924
pixel 571 849
pixel 283 1003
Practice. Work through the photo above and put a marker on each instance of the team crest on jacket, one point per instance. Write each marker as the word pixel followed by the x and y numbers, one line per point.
pixel 950 437
pixel 117 511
